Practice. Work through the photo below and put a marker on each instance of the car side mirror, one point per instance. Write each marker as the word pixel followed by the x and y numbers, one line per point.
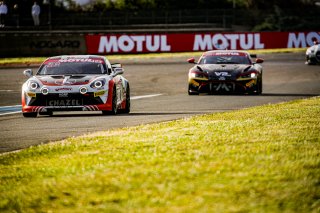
pixel 28 73
pixel 191 60
pixel 116 65
pixel 259 60
pixel 118 71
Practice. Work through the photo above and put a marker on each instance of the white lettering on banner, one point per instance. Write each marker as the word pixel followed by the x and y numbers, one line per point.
pixel 227 41
pixel 125 43
pixel 106 45
pixel 204 43
pixel 302 40
pixel 164 45
pixel 128 43
pixel 156 43
pixel 139 40
pixel 246 45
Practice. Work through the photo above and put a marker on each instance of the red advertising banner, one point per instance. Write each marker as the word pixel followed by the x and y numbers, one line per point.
pixel 187 42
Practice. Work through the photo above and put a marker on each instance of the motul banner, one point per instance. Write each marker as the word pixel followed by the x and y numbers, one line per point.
pixel 187 42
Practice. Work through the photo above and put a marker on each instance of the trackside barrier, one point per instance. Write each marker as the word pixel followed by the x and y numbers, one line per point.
pixel 188 42
pixel 49 44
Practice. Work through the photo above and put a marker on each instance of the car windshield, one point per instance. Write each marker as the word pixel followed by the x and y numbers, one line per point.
pixel 75 67
pixel 224 59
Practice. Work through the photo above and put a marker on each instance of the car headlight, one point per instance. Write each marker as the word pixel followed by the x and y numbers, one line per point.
pixel 45 90
pixel 83 90
pixel 33 85
pixel 97 84
pixel 198 75
pixel 249 75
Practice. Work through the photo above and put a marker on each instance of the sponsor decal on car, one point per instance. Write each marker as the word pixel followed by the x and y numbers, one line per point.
pixel 194 83
pixel 63 89
pixel 250 83
pixel 32 94
pixel 96 94
pixel 64 102
pixel 223 86
pixel 222 74
pixel 63 95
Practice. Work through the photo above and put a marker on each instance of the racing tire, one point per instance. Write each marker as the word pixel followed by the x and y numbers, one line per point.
pixel 114 109
pixel 310 61
pixel 128 104
pixel 50 113
pixel 259 87
pixel 190 92
pixel 30 114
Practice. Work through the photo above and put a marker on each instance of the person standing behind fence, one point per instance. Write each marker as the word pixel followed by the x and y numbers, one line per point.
pixel 16 15
pixel 35 11
pixel 3 13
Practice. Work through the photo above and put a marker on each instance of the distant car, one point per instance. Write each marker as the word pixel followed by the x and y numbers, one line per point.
pixel 75 83
pixel 313 54
pixel 225 71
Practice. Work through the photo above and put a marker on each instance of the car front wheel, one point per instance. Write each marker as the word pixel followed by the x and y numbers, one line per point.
pixel 29 114
pixel 114 104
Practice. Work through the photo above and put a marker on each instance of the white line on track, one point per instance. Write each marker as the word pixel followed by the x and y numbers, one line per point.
pixel 8 110
pixel 144 96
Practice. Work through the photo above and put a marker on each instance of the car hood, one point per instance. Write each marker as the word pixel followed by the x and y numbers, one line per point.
pixel 59 80
pixel 228 71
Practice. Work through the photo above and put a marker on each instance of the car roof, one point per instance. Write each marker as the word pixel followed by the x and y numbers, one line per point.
pixel 77 57
pixel 216 52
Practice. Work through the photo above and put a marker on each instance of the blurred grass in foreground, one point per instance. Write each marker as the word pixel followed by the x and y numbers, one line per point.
pixel 27 61
pixel 262 159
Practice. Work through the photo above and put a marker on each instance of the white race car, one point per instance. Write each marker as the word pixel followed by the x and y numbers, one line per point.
pixel 313 54
pixel 75 83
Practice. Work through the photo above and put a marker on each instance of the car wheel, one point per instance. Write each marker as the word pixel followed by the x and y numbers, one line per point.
pixel 259 87
pixel 30 114
pixel 190 92
pixel 114 104
pixel 256 90
pixel 128 104
pixel 50 113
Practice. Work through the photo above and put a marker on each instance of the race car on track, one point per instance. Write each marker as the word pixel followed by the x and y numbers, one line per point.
pixel 225 71
pixel 75 83
pixel 313 54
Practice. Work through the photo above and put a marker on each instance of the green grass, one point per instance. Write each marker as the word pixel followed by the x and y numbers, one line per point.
pixel 38 60
pixel 262 159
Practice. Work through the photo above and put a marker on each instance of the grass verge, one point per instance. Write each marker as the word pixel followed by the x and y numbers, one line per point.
pixel 262 159
pixel 27 61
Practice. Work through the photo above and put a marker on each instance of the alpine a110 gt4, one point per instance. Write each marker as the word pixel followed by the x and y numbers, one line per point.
pixel 225 71
pixel 75 83
pixel 313 54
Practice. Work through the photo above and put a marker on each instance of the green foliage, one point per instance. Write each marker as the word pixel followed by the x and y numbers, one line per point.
pixel 263 159
pixel 199 4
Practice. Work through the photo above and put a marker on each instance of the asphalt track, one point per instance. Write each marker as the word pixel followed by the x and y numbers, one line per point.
pixel 159 91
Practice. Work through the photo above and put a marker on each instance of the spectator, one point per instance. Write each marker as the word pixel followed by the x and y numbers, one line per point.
pixel 16 14
pixel 35 11
pixel 3 13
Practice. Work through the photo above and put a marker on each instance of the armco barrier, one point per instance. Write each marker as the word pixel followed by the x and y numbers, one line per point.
pixel 41 44
pixel 49 44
